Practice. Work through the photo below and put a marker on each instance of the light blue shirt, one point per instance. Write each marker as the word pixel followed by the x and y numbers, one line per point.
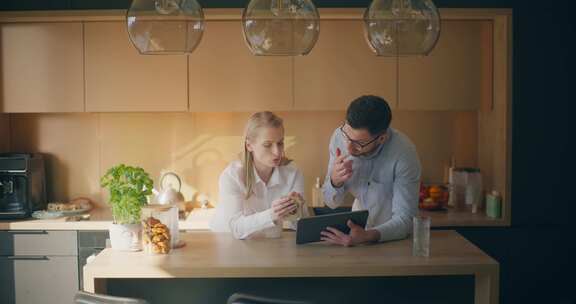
pixel 386 183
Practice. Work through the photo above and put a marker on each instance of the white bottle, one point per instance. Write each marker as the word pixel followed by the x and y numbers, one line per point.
pixel 317 196
pixel 451 188
pixel 473 189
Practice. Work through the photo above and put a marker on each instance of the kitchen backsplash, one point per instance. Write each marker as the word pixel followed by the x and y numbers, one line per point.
pixel 197 146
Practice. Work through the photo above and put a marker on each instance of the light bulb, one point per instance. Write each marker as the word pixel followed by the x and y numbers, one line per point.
pixel 166 7
pixel 165 26
pixel 402 27
pixel 276 8
pixel 280 27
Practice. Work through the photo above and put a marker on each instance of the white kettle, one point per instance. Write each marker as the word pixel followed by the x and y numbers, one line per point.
pixel 168 195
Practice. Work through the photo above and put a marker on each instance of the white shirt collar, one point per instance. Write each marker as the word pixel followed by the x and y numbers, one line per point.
pixel 275 179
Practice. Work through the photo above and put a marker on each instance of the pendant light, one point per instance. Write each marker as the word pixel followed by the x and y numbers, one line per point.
pixel 402 27
pixel 280 27
pixel 165 26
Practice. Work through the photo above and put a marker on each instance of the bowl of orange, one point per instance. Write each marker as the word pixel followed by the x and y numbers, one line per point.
pixel 433 196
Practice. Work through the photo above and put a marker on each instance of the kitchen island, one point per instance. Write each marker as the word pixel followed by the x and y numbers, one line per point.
pixel 218 256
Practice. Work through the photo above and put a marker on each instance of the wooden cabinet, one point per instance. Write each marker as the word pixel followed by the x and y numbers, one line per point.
pixel 224 76
pixel 119 79
pixel 340 68
pixel 456 75
pixel 4 133
pixel 47 279
pixel 46 68
pixel 38 266
pixel 42 67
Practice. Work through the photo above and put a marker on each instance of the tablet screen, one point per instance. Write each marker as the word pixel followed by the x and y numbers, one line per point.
pixel 308 229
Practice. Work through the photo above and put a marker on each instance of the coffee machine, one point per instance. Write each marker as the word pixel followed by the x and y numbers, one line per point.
pixel 22 184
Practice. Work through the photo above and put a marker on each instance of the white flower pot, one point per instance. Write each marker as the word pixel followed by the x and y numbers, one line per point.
pixel 126 237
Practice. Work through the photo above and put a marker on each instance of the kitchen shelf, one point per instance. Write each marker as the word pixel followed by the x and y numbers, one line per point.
pixel 452 218
pixel 448 218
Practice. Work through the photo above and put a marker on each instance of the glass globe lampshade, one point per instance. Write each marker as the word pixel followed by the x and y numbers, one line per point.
pixel 280 27
pixel 402 27
pixel 165 26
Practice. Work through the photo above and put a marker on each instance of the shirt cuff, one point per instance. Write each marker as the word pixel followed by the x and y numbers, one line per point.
pixel 332 195
pixel 265 218
pixel 391 231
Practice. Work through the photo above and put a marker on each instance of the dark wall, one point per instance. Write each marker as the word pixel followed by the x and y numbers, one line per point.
pixel 537 252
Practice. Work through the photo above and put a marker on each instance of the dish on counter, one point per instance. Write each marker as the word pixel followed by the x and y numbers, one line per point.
pixel 59 209
pixel 48 214
pixel 76 204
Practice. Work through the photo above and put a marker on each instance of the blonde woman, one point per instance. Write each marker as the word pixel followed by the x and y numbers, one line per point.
pixel 255 191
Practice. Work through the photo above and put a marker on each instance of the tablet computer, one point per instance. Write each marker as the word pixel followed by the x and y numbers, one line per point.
pixel 308 229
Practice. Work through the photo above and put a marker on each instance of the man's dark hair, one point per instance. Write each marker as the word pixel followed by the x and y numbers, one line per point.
pixel 369 112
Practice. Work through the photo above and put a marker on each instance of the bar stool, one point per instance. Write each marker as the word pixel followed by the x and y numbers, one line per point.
pixel 92 298
pixel 240 298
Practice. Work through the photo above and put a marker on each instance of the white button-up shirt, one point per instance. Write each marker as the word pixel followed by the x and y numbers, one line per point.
pixel 253 216
pixel 385 183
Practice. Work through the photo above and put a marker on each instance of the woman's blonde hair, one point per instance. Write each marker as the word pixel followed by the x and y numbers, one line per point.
pixel 256 121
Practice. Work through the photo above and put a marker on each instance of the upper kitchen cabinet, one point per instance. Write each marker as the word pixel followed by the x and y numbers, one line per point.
pixel 456 75
pixel 224 76
pixel 42 68
pixel 340 68
pixel 119 79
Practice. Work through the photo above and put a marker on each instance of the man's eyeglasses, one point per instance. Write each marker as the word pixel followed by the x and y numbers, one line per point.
pixel 356 144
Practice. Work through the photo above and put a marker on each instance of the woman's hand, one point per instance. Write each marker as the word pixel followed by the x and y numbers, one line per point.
pixel 282 208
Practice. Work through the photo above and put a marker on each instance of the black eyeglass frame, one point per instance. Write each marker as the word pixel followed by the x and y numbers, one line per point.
pixel 360 146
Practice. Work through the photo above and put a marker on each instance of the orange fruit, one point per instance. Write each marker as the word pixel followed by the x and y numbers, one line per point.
pixel 435 191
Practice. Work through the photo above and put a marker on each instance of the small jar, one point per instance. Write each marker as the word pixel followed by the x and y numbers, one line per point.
pixel 156 229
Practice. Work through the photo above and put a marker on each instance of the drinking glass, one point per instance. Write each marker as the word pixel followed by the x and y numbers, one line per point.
pixel 421 236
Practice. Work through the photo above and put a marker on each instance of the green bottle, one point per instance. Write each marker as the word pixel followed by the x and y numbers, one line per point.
pixel 493 204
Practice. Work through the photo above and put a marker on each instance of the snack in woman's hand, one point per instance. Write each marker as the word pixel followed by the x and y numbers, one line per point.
pixel 297 213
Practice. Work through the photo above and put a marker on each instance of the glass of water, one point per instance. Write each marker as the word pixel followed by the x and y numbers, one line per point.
pixel 421 236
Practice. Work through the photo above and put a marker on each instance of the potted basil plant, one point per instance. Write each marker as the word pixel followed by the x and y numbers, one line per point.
pixel 129 187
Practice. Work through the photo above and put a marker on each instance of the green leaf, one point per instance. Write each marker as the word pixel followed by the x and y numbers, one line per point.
pixel 128 187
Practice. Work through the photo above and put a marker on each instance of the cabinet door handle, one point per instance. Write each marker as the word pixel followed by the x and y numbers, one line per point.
pixel 28 257
pixel 12 213
pixel 29 231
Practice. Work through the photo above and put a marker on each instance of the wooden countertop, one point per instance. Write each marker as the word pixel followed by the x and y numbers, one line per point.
pixel 199 219
pixel 100 219
pixel 218 255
